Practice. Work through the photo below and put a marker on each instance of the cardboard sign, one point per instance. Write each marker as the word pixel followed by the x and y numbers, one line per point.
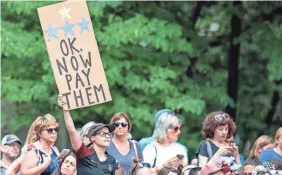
pixel 74 54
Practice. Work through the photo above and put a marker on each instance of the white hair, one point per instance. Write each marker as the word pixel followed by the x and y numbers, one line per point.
pixel 85 128
pixel 166 121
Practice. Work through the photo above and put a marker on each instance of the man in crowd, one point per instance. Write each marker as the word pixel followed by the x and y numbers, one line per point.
pixel 10 148
pixel 146 141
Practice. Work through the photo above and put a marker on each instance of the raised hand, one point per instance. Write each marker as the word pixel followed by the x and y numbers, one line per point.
pixel 61 102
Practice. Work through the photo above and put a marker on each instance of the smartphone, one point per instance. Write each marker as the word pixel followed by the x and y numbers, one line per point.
pixel 180 156
pixel 63 154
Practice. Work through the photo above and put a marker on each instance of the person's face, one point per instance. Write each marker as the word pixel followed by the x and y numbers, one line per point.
pixel 279 142
pixel 68 166
pixel 174 132
pixel 102 139
pixel 249 169
pixel 221 132
pixel 121 127
pixel 12 151
pixel 49 134
pixel 230 140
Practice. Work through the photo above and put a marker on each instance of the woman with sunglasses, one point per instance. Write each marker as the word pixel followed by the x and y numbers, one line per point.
pixel 121 148
pixel 95 160
pixel 41 155
pixel 164 151
pixel 217 128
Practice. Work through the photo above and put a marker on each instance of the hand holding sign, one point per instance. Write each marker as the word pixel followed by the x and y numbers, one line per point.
pixel 74 54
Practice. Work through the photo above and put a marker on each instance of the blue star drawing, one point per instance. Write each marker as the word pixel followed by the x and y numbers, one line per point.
pixel 68 28
pixel 83 25
pixel 52 32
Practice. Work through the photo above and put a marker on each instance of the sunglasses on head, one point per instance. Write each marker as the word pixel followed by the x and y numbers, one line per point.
pixel 104 134
pixel 221 117
pixel 50 130
pixel 122 124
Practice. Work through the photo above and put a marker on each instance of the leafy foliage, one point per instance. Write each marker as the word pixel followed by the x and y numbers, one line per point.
pixel 154 57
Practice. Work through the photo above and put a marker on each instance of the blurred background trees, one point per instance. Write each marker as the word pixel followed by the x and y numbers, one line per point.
pixel 190 57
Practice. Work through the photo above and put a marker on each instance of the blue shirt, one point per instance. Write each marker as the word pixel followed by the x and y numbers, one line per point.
pixel 146 141
pixel 125 161
pixel 268 155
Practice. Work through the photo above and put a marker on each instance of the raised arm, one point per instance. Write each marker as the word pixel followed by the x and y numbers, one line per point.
pixel 74 136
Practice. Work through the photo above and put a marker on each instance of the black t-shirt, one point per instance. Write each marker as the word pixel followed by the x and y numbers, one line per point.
pixel 88 163
pixel 203 149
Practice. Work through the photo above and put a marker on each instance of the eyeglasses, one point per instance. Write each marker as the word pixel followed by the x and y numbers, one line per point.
pixel 50 130
pixel 122 124
pixel 141 165
pixel 105 134
pixel 221 117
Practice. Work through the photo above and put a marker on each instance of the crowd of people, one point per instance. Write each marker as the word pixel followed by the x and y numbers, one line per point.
pixel 107 149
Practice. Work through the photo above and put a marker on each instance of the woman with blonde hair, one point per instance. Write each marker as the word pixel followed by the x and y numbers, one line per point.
pixel 164 151
pixel 262 143
pixel 41 156
pixel 274 153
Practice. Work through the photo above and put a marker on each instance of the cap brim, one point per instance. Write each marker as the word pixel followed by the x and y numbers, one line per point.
pixel 14 140
pixel 111 127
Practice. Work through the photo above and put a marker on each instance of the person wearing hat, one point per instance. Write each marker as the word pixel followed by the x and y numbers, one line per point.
pixel 95 160
pixel 11 148
pixel 146 141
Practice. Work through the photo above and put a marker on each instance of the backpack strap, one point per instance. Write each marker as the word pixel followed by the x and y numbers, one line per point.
pixel 155 160
pixel 135 148
pixel 209 150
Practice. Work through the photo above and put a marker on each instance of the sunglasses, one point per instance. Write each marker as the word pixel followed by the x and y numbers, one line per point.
pixel 50 130
pixel 122 124
pixel 221 117
pixel 105 134
pixel 175 129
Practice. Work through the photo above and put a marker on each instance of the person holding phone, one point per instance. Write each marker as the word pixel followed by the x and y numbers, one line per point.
pixel 217 127
pixel 95 160
pixel 164 151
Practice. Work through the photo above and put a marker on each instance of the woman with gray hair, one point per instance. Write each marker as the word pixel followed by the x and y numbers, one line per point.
pixel 164 151
pixel 84 133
